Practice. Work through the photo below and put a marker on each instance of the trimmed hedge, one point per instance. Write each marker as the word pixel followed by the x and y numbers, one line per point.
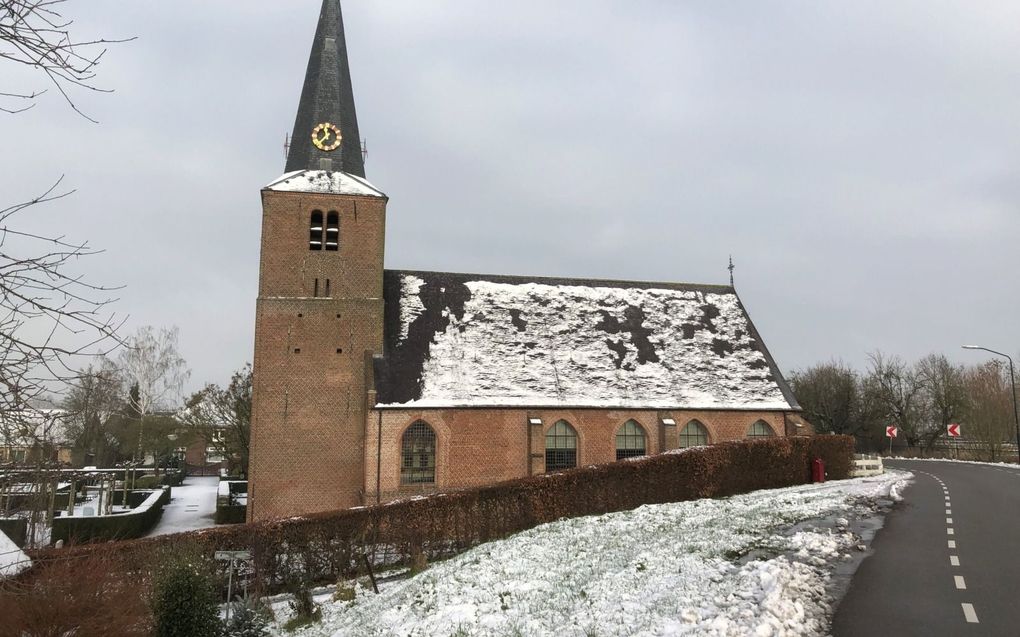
pixel 231 514
pixel 123 526
pixel 227 512
pixel 326 546
pixel 16 529
pixel 173 478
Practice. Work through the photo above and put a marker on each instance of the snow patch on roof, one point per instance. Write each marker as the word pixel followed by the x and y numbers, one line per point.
pixel 497 343
pixel 321 181
pixel 411 306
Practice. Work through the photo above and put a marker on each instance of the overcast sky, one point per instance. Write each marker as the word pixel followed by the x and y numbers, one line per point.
pixel 860 160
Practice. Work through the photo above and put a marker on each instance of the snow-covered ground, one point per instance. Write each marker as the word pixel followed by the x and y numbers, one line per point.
pixel 192 506
pixel 991 464
pixel 757 564
pixel 12 559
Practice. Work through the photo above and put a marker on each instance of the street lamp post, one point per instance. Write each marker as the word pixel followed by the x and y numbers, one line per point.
pixel 1012 381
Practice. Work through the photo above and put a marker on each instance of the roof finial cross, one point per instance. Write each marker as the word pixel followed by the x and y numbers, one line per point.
pixel 731 269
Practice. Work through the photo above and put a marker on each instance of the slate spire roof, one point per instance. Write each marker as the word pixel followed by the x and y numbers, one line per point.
pixel 327 97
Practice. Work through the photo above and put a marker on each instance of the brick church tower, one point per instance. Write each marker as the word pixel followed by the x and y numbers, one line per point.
pixel 319 315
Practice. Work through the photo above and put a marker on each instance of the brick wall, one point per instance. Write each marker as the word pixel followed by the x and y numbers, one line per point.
pixel 308 411
pixel 482 446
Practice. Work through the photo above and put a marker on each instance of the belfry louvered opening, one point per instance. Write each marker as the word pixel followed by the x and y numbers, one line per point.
pixel 332 231
pixel 315 231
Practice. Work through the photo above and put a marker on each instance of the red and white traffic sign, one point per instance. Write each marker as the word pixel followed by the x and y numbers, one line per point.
pixel 953 431
pixel 891 432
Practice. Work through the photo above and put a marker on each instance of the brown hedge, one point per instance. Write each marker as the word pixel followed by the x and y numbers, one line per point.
pixel 323 547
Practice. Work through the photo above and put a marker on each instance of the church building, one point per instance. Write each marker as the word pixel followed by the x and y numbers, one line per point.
pixel 374 384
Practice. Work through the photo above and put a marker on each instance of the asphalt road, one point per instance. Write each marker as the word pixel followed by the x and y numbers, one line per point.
pixel 947 561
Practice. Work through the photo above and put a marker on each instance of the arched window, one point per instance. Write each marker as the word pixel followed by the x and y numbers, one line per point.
pixel 630 440
pixel 693 435
pixel 418 455
pixel 560 447
pixel 333 231
pixel 760 429
pixel 315 231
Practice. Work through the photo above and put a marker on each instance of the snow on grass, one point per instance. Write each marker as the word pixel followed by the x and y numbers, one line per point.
pixel 707 567
pixel 990 464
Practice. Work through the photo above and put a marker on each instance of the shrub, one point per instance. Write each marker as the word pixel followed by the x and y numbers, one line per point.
pixel 305 610
pixel 184 596
pixel 173 478
pixel 249 619
pixel 148 482
pixel 89 595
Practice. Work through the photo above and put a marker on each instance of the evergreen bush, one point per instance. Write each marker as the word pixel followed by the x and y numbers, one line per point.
pixel 184 596
pixel 249 619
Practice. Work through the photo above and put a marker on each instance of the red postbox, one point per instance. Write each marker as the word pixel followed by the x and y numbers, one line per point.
pixel 818 470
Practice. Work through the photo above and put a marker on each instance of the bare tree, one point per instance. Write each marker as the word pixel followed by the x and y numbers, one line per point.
pixel 989 413
pixel 51 316
pixel 896 390
pixel 829 393
pixel 223 416
pixel 91 403
pixel 152 364
pixel 35 34
pixel 944 392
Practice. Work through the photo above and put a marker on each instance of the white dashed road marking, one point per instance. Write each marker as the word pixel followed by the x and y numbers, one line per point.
pixel 954 560
pixel 969 613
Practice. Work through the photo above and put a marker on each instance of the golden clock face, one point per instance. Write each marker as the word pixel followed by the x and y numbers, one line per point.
pixel 326 137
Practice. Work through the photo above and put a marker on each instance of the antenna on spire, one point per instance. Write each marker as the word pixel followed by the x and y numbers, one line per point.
pixel 286 146
pixel 364 149
pixel 731 269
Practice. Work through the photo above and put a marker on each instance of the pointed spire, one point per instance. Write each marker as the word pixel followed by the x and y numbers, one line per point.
pixel 327 98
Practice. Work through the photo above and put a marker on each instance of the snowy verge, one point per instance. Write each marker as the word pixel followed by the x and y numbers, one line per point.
pixel 954 460
pixel 733 566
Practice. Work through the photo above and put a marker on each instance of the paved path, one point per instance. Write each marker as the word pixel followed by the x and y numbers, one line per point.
pixel 192 506
pixel 947 561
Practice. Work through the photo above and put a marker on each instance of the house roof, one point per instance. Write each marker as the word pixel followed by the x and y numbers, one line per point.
pixel 469 340
pixel 31 427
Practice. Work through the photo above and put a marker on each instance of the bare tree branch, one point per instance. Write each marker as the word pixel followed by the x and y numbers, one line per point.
pixel 35 33
pixel 50 316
